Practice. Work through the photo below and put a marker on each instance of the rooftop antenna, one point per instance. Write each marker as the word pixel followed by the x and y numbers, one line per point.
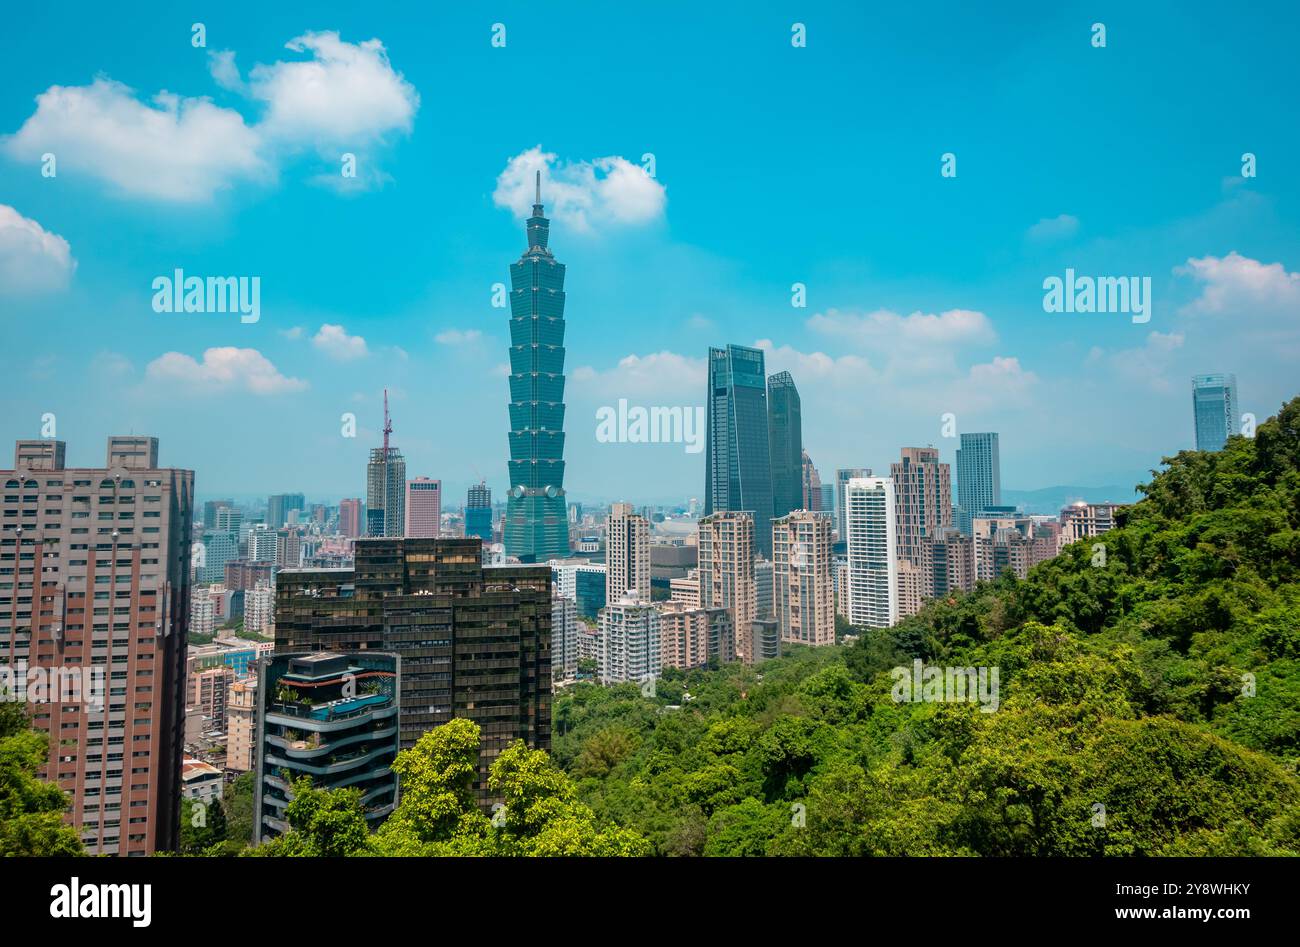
pixel 388 425
pixel 539 187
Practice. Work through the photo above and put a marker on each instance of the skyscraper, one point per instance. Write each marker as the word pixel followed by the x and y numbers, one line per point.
pixel 872 580
pixel 726 568
pixel 278 507
pixel 785 443
pixel 72 538
pixel 1214 407
pixel 478 512
pixel 842 477
pixel 811 485
pixel 536 527
pixel 385 486
pixel 627 554
pixel 738 468
pixel 802 586
pixel 423 508
pixel 923 497
pixel 979 477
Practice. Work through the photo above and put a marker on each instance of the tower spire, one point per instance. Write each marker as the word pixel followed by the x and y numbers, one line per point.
pixel 539 188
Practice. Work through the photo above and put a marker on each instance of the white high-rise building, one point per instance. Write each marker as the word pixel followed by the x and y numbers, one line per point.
pixel 259 608
pixel 564 635
pixel 629 633
pixel 627 554
pixel 203 612
pixel 872 578
pixel 263 544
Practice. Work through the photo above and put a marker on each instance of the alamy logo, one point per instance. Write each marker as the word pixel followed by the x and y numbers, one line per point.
pixel 940 685
pixel 1129 294
pixel 134 901
pixel 59 685
pixel 657 425
pixel 181 293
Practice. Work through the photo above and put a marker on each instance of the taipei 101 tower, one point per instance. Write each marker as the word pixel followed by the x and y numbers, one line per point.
pixel 536 527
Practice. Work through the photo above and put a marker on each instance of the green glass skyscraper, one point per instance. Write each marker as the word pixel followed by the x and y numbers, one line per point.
pixel 536 528
pixel 785 443
pixel 738 467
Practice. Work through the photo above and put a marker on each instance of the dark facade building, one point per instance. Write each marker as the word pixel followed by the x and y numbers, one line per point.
pixel 589 592
pixel 478 512
pixel 330 717
pixel 279 506
pixel 536 527
pixel 738 468
pixel 785 440
pixel 473 642
pixel 95 588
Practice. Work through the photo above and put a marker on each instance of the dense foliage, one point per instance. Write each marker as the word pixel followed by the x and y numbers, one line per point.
pixel 31 811
pixel 1150 703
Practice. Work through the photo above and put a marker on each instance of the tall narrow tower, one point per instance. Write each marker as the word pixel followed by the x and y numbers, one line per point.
pixel 536 528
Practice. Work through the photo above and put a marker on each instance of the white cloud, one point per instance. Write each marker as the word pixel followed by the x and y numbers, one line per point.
pixel 882 327
pixel 223 369
pixel 585 195
pixel 457 336
pixel 666 376
pixel 294 333
pixel 32 260
pixel 335 342
pixel 1147 366
pixel 1049 229
pixel 347 94
pixel 175 149
pixel 1242 287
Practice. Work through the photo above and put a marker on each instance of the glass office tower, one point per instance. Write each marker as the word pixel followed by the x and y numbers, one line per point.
pixel 979 477
pixel 785 441
pixel 536 527
pixel 1214 406
pixel 738 468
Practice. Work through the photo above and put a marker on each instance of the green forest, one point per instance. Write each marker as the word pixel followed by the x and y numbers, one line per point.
pixel 1149 705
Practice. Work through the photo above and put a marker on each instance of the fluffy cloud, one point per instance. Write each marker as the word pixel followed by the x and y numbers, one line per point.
pixel 1049 229
pixel 666 376
pixel 458 336
pixel 222 369
pixel 585 195
pixel 334 341
pixel 32 260
pixel 185 150
pixel 172 149
pixel 1149 365
pixel 918 344
pixel 347 94
pixel 1239 286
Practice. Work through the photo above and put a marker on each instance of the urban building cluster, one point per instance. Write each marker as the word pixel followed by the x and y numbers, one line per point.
pixel 286 639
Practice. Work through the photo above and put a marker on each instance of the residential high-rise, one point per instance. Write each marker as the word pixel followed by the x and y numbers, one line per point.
pixel 386 486
pixel 726 569
pixel 803 589
pixel 923 498
pixel 331 717
pixel 1214 408
pixel 627 554
pixel 423 508
pixel 629 635
pixel 690 636
pixel 564 635
pixel 979 477
pixel 219 547
pixel 72 541
pixel 536 526
pixel 738 468
pixel 259 608
pixel 872 579
pixel 241 725
pixel 263 544
pixel 210 508
pixel 842 477
pixel 764 598
pixel 478 512
pixel 1085 520
pixel 475 642
pixel 785 444
pixel 350 517
pixel 950 562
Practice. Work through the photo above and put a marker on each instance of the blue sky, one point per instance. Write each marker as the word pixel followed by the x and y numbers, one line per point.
pixel 773 165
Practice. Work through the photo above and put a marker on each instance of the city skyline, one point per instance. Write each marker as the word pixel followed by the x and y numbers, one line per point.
pixel 887 319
